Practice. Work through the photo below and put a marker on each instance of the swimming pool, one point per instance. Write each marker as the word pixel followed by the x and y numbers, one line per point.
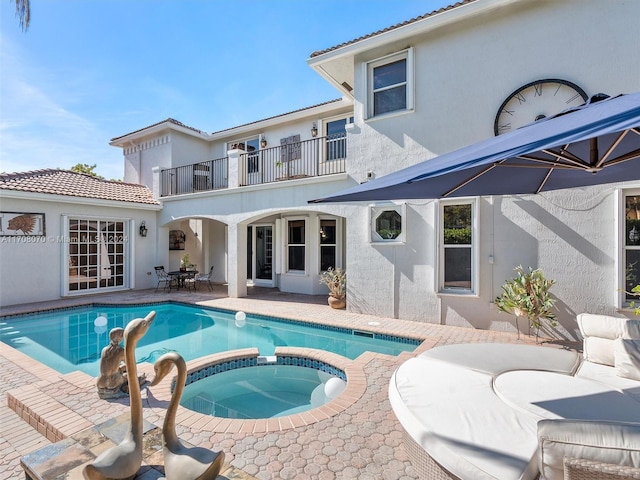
pixel 71 339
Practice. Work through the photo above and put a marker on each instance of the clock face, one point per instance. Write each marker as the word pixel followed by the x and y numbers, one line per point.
pixel 537 100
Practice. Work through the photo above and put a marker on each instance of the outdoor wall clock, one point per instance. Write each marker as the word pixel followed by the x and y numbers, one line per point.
pixel 537 100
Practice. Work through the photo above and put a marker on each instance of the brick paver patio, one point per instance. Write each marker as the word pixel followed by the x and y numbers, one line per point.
pixel 363 441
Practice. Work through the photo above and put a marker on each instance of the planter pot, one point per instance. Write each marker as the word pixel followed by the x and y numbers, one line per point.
pixel 337 302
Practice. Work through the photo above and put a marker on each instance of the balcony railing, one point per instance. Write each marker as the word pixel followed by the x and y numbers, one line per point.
pixel 309 158
pixel 198 177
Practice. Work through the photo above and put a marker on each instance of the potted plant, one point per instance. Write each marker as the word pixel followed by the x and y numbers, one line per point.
pixel 527 295
pixel 336 280
pixel 185 262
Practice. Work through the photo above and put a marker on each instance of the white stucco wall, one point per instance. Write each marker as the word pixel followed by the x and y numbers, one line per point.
pixel 39 260
pixel 465 71
pixel 187 150
pixel 462 75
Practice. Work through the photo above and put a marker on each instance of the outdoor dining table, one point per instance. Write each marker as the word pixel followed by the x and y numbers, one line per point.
pixel 180 277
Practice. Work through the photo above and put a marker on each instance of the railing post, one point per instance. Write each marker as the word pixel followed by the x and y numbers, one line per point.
pixel 235 173
pixel 155 180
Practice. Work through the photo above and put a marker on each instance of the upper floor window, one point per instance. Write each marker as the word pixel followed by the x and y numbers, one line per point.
pixel 390 84
pixel 336 138
pixel 631 244
pixel 252 147
pixel 458 263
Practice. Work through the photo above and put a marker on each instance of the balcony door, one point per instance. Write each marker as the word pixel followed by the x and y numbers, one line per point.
pixel 261 265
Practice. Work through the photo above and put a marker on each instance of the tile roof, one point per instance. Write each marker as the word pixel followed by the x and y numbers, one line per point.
pixel 281 114
pixel 167 120
pixel 176 122
pixel 392 27
pixel 68 183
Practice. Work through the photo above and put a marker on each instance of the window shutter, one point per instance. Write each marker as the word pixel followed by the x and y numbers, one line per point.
pixel 295 148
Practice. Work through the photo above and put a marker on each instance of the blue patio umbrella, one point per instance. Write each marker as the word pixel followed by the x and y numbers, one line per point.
pixel 595 143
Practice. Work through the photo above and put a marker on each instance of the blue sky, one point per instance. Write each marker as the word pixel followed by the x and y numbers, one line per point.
pixel 90 70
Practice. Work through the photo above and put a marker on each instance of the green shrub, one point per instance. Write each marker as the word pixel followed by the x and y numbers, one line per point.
pixel 527 295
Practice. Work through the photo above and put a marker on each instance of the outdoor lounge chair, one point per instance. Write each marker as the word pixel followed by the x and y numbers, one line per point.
pixel 205 279
pixel 163 278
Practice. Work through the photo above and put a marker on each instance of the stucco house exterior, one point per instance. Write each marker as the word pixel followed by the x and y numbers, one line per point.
pixel 64 233
pixel 237 199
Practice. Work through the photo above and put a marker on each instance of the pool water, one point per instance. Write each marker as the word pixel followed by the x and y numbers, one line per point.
pixel 71 339
pixel 258 392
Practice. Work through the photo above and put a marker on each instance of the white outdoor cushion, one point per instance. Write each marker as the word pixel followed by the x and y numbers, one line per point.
pixel 617 443
pixel 453 413
pixel 554 395
pixel 603 326
pixel 599 332
pixel 607 375
pixel 627 358
pixel 495 358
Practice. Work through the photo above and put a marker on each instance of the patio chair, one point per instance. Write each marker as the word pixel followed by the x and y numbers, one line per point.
pixel 205 279
pixel 163 278
pixel 188 280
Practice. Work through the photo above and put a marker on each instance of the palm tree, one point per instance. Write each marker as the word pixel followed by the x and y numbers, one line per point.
pixel 23 12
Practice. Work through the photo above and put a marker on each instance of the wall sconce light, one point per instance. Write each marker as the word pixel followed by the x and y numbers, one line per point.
pixel 263 142
pixel 634 235
pixel 143 229
pixel 314 130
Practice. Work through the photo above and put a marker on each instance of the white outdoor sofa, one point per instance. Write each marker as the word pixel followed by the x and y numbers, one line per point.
pixel 505 411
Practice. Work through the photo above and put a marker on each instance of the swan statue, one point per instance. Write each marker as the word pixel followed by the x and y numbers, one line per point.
pixel 180 462
pixel 123 461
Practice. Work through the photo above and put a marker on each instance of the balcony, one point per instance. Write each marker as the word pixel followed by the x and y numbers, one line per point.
pixel 288 161
pixel 198 177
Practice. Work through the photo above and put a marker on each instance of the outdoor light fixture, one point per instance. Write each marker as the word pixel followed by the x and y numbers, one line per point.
pixel 634 235
pixel 263 142
pixel 314 130
pixel 143 229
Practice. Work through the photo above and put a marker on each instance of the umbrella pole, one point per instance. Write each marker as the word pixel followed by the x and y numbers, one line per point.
pixel 593 152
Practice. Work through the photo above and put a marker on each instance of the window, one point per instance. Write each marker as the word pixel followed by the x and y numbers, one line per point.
pixel 296 245
pixel 388 224
pixel 336 138
pixel 390 85
pixel 251 146
pixel 96 254
pixel 457 253
pixel 631 244
pixel 328 239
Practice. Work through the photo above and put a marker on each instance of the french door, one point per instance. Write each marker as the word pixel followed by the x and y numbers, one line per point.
pixel 261 261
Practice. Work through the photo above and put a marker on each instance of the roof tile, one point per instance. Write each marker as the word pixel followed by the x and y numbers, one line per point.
pixel 392 27
pixel 74 184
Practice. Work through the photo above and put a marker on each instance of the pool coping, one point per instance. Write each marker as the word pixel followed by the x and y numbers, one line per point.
pixel 376 328
pixel 355 388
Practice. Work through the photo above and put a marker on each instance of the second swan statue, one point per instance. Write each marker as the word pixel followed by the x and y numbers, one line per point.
pixel 180 462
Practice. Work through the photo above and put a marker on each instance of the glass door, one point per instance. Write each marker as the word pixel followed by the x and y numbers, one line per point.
pixel 263 255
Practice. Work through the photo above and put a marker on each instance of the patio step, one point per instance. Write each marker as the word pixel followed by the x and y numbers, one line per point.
pixel 43 412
